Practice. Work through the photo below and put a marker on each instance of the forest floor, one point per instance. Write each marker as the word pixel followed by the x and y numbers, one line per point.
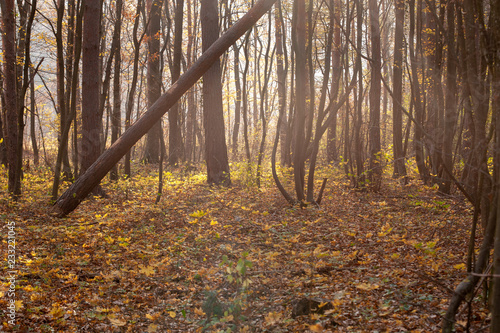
pixel 235 259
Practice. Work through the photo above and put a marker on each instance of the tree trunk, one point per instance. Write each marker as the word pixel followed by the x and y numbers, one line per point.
pixel 331 146
pixel 397 91
pixel 175 146
pixel 299 44
pixel 34 144
pixel 77 192
pixel 135 73
pixel 3 129
pixel 416 96
pixel 495 69
pixel 152 152
pixel 263 102
pixel 451 100
pixel 10 93
pixel 245 99
pixel 116 118
pixel 375 90
pixel 213 117
pixel 358 119
pixel 237 105
pixel 91 120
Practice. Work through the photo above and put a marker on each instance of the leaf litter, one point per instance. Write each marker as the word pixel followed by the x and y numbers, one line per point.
pixel 237 259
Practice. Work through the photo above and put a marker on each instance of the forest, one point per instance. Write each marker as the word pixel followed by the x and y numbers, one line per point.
pixel 250 166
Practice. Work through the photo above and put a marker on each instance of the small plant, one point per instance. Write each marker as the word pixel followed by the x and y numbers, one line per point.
pixel 219 312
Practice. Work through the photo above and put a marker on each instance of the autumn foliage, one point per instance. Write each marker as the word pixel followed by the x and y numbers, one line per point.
pixel 236 258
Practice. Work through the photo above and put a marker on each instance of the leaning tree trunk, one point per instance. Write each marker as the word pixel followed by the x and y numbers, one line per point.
pixel 77 192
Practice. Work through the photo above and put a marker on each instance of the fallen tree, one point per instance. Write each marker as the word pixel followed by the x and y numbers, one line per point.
pixel 79 190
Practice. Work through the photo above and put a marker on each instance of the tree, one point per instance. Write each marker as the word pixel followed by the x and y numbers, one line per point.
pixel 417 99
pixel 331 147
pixel 495 68
pixel 190 137
pixel 10 95
pixel 62 102
pixel 79 190
pixel 133 85
pixel 451 100
pixel 175 146
pixel 116 115
pixel 213 117
pixel 397 101
pixel 299 45
pixel 152 152
pixel 375 89
pixel 91 118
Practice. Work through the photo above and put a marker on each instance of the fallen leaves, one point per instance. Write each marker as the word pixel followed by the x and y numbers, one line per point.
pixel 145 267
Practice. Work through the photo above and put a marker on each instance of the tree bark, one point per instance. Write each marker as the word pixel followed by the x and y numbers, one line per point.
pixel 237 105
pixel 133 85
pixel 10 95
pixel 213 117
pixel 91 120
pixel 299 44
pixel 34 144
pixel 175 146
pixel 77 192
pixel 375 174
pixel 152 152
pixel 116 118
pixel 397 122
pixel 451 100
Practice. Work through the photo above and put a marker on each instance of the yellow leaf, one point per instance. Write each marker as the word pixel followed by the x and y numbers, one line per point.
pixel 369 235
pixel 199 312
pixel 198 213
pixel 171 314
pixel 56 312
pixel 213 222
pixel 19 305
pixel 459 266
pixel 118 322
pixel 435 266
pixel 153 316
pixel 99 309
pixel 152 328
pixel 273 318
pixel 367 286
pixel 228 318
pixel 395 255
pixel 194 221
pixel 148 271
pixel 316 328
